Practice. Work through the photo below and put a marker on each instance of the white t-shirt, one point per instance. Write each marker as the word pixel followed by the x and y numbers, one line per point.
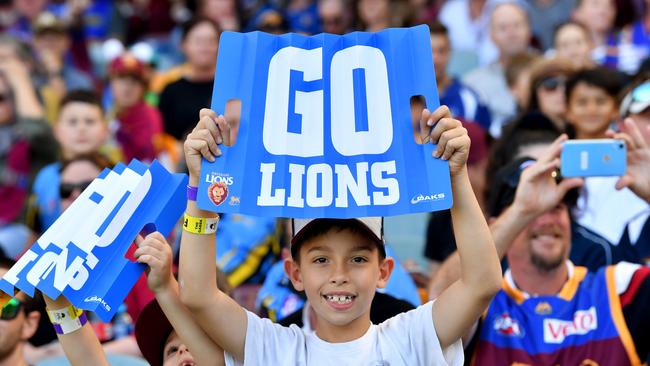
pixel 407 339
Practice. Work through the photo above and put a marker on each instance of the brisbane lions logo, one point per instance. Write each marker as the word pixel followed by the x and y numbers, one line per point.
pixel 218 191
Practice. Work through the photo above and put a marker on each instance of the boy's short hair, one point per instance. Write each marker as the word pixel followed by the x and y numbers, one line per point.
pixel 307 229
pixel 599 77
pixel 438 29
pixel 82 96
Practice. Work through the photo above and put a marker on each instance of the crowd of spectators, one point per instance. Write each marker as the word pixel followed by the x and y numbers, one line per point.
pixel 85 84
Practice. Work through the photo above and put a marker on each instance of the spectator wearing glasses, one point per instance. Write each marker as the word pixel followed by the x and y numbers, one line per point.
pixel 547 80
pixel 80 129
pixel 18 322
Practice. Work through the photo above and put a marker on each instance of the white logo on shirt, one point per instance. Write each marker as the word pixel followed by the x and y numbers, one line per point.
pixel 556 330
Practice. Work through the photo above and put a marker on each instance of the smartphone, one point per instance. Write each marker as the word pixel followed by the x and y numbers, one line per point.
pixel 593 158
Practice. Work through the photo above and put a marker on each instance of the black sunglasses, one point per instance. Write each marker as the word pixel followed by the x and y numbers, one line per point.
pixel 11 309
pixel 552 83
pixel 66 189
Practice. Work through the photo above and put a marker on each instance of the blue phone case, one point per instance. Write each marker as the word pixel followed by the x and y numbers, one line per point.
pixel 593 158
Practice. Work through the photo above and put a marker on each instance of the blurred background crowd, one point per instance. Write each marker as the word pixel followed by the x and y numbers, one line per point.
pixel 85 84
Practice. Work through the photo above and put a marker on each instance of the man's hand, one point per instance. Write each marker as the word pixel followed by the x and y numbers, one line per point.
pixel 538 191
pixel 210 131
pixel 450 135
pixel 155 252
pixel 637 176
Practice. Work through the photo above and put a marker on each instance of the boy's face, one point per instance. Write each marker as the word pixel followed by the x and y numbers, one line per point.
pixel 590 110
pixel 80 129
pixel 127 91
pixel 175 353
pixel 340 271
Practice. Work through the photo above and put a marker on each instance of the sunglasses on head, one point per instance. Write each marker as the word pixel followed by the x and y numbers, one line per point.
pixel 642 92
pixel 11 309
pixel 66 189
pixel 552 83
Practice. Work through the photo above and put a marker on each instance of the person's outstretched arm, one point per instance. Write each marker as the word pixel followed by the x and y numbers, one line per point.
pixel 156 253
pixel 460 305
pixel 81 346
pixel 637 176
pixel 537 192
pixel 221 317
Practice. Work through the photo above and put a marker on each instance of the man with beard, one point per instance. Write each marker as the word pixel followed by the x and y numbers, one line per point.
pixel 549 311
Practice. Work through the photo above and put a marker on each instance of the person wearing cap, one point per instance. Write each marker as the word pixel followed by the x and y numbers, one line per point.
pixel 55 73
pixel 551 311
pixel 339 264
pixel 138 124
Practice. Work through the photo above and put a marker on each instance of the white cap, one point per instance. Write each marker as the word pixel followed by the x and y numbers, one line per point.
pixel 374 225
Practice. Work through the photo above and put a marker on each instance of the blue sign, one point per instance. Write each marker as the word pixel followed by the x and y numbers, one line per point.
pixel 82 255
pixel 325 127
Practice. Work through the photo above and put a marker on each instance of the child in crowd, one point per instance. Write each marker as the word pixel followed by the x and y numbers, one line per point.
pixel 339 264
pixel 80 130
pixel 137 125
pixel 591 97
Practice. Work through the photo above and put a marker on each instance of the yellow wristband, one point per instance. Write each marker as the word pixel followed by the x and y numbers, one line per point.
pixel 200 225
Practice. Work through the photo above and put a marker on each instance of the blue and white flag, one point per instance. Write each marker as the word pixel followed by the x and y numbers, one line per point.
pixel 325 127
pixel 82 255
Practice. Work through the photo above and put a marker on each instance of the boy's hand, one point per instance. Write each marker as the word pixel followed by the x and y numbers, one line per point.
pixel 538 191
pixel 450 135
pixel 155 252
pixel 637 176
pixel 210 131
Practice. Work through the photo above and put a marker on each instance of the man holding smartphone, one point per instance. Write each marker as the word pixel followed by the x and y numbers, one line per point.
pixel 550 311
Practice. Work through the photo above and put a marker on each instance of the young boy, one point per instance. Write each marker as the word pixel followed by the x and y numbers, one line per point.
pixel 591 102
pixel 339 264
pixel 80 130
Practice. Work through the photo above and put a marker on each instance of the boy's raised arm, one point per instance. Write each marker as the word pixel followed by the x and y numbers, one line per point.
pixel 156 253
pixel 458 308
pixel 221 318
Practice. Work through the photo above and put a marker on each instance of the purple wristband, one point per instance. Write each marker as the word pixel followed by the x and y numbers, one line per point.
pixel 191 192
pixel 82 320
